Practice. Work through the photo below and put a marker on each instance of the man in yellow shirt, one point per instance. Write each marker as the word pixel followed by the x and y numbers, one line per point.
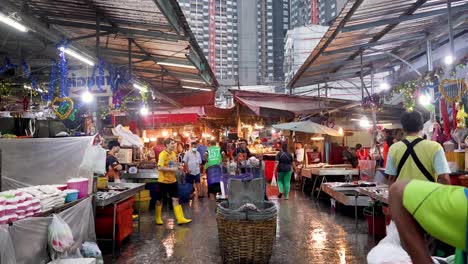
pixel 167 183
pixel 414 158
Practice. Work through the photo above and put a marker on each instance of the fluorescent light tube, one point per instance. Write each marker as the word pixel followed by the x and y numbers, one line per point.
pixel 12 23
pixel 192 81
pixel 196 88
pixel 77 56
pixel 140 87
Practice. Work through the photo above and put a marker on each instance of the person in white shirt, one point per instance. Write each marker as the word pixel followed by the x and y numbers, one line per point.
pixel 192 160
pixel 299 156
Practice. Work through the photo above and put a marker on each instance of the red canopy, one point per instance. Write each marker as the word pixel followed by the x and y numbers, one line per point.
pixel 169 119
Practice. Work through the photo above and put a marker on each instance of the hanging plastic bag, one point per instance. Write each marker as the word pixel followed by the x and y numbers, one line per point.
pixel 273 181
pixel 94 160
pixel 60 237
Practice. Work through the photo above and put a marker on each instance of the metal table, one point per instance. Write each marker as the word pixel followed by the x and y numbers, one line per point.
pixel 308 172
pixel 142 174
pixel 134 188
pixel 375 195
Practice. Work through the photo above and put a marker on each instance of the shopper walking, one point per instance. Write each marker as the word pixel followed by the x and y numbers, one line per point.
pixel 284 165
pixel 192 161
pixel 214 156
pixel 414 157
pixel 299 156
pixel 167 183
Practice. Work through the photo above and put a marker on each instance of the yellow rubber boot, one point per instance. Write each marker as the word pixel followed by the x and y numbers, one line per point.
pixel 179 214
pixel 158 215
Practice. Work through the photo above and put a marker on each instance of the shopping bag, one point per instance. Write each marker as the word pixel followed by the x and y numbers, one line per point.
pixel 94 160
pixel 60 237
pixel 273 181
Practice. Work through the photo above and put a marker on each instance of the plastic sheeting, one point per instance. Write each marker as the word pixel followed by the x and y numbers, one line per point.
pixel 38 161
pixel 7 251
pixel 29 236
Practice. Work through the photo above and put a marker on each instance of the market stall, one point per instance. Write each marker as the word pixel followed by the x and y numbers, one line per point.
pixel 321 174
pixel 116 206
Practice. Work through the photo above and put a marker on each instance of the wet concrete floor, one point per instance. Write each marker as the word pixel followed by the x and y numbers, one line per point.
pixel 307 232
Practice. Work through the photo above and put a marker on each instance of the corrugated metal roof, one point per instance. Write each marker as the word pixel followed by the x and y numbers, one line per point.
pixel 371 28
pixel 157 29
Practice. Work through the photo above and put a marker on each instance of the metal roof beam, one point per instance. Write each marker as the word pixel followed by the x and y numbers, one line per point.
pixel 378 43
pixel 403 18
pixel 168 11
pixel 88 36
pixel 384 31
pixel 112 29
pixel 318 51
pixel 146 57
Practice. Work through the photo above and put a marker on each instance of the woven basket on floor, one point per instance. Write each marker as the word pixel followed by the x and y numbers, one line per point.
pixel 246 241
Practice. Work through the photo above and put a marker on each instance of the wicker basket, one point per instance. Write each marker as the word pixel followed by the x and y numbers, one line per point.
pixel 246 241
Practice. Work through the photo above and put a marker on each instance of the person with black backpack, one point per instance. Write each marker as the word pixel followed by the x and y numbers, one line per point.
pixel 284 165
pixel 415 158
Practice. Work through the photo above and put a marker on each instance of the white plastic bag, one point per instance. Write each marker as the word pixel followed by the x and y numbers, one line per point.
pixel 90 250
pixel 94 160
pixel 273 181
pixel 389 249
pixel 60 237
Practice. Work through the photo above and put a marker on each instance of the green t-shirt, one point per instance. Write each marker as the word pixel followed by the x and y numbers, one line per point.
pixel 214 156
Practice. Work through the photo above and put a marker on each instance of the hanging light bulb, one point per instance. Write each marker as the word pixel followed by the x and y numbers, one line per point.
pixel 87 97
pixel 144 110
pixel 273 131
pixel 384 86
pixel 448 59
pixel 165 133
pixel 364 122
pixel 340 131
pixel 424 100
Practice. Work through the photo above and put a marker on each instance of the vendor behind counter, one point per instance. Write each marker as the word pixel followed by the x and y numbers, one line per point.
pixel 113 167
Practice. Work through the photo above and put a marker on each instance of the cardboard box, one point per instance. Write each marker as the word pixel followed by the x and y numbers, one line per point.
pixel 125 156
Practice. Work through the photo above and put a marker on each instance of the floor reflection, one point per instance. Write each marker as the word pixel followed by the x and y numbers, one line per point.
pixel 306 233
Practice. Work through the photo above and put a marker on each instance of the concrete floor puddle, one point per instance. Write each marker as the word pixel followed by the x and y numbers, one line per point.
pixel 307 232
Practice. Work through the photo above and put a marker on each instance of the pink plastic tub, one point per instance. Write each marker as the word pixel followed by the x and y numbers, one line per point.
pixel 80 184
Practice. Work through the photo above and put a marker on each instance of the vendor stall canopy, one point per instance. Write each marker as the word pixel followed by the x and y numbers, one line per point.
pixel 151 38
pixel 377 30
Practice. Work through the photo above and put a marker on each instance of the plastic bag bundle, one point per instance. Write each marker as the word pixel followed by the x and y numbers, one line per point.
pixel 90 250
pixel 60 237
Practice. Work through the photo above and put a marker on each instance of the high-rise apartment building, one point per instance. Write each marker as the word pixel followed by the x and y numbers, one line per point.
pixel 242 39
pixel 214 24
pixel 272 25
pixel 323 12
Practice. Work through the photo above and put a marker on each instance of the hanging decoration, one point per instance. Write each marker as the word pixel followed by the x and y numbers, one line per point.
pixel 28 75
pixel 26 103
pixel 408 89
pixel 117 99
pixel 52 80
pixel 63 70
pixel 462 85
pixel 64 108
pixel 375 101
pixel 5 88
pixel 445 118
pixel 101 75
pixel 7 65
pixel 461 115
